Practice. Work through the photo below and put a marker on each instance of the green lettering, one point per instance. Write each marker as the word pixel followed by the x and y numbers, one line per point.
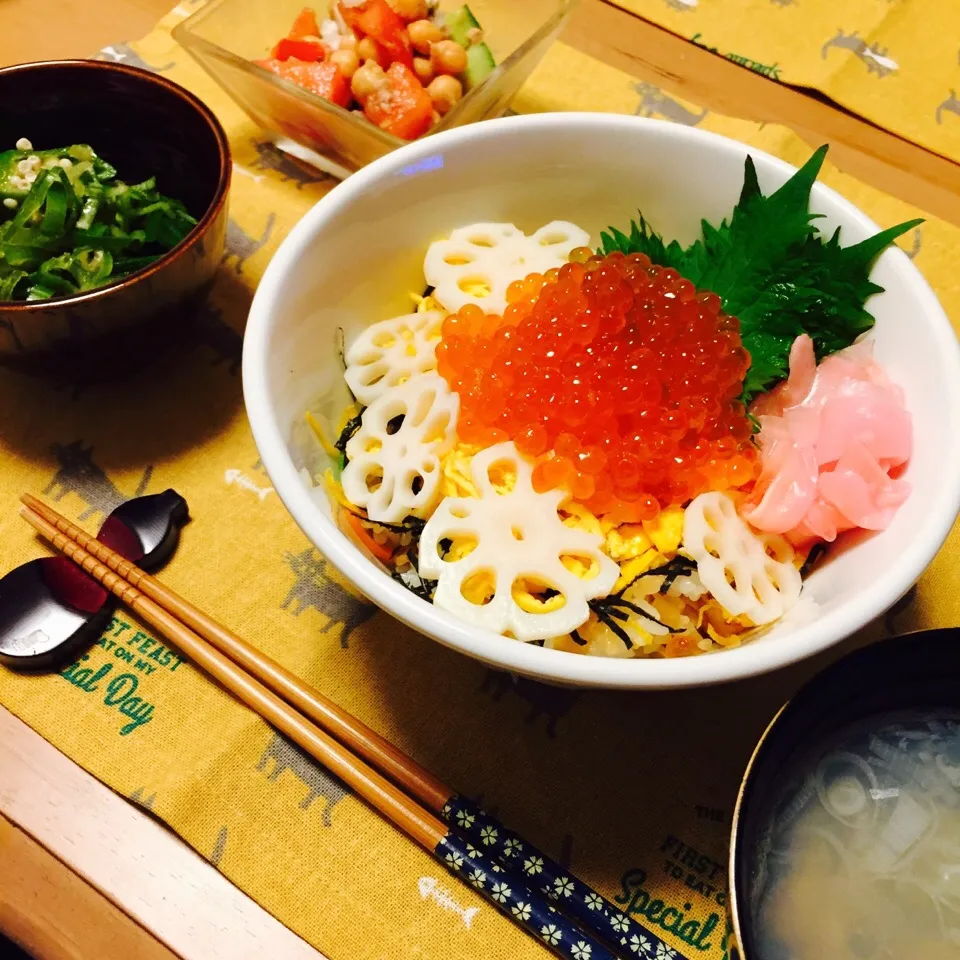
pixel 708 928
pixel 137 637
pixel 654 910
pixel 138 721
pixel 67 672
pixel 91 684
pixel 139 712
pixel 146 645
pixel 689 931
pixel 158 653
pixel 120 626
pixel 663 919
pixel 629 881
pixel 177 664
pixel 167 657
pixel 120 688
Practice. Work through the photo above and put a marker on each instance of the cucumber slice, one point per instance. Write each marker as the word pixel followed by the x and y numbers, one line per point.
pixel 480 64
pixel 480 60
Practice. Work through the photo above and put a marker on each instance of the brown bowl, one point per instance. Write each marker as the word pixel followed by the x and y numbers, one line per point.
pixel 145 126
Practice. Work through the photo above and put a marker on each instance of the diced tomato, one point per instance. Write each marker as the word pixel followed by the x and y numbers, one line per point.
pixel 402 108
pixel 323 79
pixel 305 25
pixel 375 19
pixel 309 51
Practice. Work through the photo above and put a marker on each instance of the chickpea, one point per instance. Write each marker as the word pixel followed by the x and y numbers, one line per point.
pixel 423 68
pixel 423 33
pixel 346 61
pixel 368 79
pixel 447 56
pixel 348 41
pixel 409 10
pixel 370 50
pixel 445 92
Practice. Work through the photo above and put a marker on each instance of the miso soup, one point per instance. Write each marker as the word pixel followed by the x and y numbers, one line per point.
pixel 861 858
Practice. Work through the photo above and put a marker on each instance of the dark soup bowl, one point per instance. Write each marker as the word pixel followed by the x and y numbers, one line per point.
pixel 145 126
pixel 846 836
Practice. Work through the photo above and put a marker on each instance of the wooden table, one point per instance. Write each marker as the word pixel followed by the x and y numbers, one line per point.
pixel 84 874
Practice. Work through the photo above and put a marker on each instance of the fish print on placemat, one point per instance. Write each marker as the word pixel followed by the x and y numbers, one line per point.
pixel 240 246
pixel 216 855
pixel 139 797
pixel 281 755
pixel 654 102
pixel 432 889
pixel 125 54
pixel 238 478
pixel 186 7
pixel 950 105
pixel 79 474
pixel 550 702
pixel 314 587
pixel 872 55
pixel 271 157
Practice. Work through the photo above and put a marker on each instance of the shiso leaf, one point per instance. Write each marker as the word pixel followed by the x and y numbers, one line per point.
pixel 774 270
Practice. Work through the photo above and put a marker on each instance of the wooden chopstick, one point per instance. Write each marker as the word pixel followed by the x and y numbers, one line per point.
pixel 350 731
pixel 459 812
pixel 513 898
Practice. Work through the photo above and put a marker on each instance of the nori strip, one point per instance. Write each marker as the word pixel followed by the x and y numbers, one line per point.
pixel 352 426
pixel 815 555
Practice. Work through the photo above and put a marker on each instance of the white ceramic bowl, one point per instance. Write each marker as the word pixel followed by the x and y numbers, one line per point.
pixel 351 260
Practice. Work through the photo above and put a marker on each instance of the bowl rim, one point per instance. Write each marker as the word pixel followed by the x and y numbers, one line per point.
pixel 194 237
pixel 554 665
pixel 185 33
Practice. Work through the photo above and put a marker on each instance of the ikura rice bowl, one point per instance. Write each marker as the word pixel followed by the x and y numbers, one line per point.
pixel 623 448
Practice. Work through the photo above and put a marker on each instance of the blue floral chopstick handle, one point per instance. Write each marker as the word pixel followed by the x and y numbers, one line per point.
pixel 514 898
pixel 581 902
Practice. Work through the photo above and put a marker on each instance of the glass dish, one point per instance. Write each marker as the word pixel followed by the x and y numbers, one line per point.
pixel 227 35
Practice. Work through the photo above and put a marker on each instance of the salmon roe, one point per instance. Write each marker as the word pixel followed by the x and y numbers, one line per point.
pixel 616 374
